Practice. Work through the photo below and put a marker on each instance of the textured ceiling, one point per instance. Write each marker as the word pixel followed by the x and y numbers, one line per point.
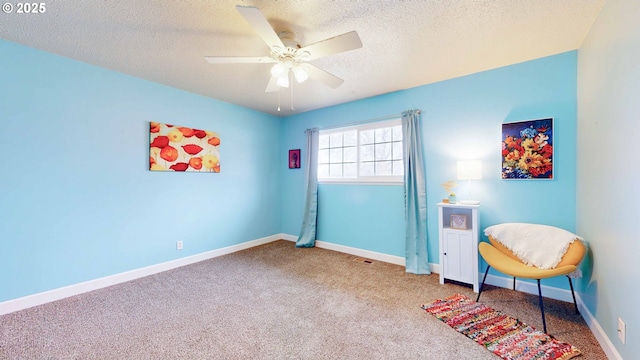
pixel 406 42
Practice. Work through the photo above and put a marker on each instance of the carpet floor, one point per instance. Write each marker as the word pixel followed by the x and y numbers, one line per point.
pixel 270 302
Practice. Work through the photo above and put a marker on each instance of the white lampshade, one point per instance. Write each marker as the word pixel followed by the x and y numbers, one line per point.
pixel 469 170
pixel 279 70
pixel 283 81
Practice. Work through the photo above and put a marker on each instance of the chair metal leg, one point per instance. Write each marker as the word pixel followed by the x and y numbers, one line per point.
pixel 514 283
pixel 544 323
pixel 574 295
pixel 482 285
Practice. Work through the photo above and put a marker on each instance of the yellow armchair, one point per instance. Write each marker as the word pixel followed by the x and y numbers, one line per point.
pixel 504 260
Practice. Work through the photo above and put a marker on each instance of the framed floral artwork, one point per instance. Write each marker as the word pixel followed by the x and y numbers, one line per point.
pixel 527 149
pixel 179 148
pixel 294 159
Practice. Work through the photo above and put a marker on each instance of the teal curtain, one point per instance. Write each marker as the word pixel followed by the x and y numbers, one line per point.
pixel 307 236
pixel 415 196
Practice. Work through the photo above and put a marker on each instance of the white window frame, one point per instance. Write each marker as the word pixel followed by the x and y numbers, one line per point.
pixel 375 180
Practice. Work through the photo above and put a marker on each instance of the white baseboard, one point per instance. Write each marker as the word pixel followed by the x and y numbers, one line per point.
pixel 392 259
pixel 562 295
pixel 83 287
pixel 289 237
pixel 598 332
pixel 528 287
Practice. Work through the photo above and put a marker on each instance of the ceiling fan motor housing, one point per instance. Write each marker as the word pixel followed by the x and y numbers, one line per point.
pixel 291 54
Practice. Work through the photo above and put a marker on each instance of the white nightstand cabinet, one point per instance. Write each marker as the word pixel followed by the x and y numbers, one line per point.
pixel 459 236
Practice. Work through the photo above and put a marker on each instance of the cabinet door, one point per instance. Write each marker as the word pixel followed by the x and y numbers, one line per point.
pixel 458 258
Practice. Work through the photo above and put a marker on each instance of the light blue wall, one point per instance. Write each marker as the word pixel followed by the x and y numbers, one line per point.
pixel 369 217
pixel 608 205
pixel 462 119
pixel 344 210
pixel 76 199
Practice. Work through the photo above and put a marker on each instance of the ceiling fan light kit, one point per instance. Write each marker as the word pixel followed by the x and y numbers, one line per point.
pixel 288 56
pixel 300 73
pixel 281 71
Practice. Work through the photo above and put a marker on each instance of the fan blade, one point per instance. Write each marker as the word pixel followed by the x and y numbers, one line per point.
pixel 239 59
pixel 322 76
pixel 334 45
pixel 256 19
pixel 272 86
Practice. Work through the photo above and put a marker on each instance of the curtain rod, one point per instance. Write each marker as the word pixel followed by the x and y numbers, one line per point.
pixel 389 117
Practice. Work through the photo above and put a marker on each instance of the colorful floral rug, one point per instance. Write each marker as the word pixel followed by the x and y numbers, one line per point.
pixel 505 336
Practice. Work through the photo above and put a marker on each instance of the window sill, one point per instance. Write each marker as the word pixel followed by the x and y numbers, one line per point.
pixel 361 182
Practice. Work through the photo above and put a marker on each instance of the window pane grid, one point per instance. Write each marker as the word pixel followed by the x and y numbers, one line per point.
pixel 361 153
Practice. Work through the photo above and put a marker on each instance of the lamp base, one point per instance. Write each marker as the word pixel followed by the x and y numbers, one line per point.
pixel 469 202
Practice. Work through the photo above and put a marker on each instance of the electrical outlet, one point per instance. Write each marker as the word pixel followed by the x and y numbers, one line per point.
pixel 179 245
pixel 621 330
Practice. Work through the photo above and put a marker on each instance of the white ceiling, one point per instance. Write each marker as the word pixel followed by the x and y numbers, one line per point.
pixel 407 43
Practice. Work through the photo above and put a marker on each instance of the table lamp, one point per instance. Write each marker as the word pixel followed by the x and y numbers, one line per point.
pixel 469 170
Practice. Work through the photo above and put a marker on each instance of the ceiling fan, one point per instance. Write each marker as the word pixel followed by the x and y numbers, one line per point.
pixel 287 55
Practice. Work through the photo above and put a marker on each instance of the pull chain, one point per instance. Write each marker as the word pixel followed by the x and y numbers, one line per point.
pixel 279 98
pixel 291 82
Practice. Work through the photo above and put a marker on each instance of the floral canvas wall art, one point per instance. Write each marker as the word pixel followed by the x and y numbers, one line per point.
pixel 178 148
pixel 527 149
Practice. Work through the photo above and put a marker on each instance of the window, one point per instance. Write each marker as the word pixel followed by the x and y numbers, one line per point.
pixel 363 153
